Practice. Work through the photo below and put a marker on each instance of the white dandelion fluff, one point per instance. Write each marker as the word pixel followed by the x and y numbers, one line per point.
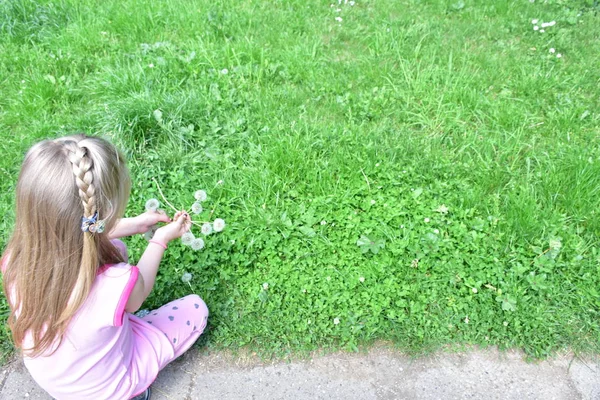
pixel 186 278
pixel 552 50
pixel 197 244
pixel 558 55
pixel 534 21
pixel 536 28
pixel 361 279
pixel 206 229
pixel 197 208
pixel 200 195
pixel 336 321
pixel 338 19
pixel 187 238
pixel 218 225
pixel 152 205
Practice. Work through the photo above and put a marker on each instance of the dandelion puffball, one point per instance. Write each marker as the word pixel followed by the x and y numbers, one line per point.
pixel 197 208
pixel 187 238
pixel 336 321
pixel 152 205
pixel 552 50
pixel 206 229
pixel 197 244
pixel 218 225
pixel 200 195
pixel 186 278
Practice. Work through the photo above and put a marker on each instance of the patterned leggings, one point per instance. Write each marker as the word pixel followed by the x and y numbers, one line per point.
pixel 182 320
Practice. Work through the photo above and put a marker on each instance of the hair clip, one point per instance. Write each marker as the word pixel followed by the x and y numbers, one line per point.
pixel 92 224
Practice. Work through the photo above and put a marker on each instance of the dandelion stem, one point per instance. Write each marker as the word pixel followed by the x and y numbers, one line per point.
pixel 163 196
pixel 366 179
pixel 199 223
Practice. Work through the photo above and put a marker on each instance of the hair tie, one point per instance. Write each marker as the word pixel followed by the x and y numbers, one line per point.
pixel 92 224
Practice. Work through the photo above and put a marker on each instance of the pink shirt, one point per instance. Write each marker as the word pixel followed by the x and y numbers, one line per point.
pixel 106 353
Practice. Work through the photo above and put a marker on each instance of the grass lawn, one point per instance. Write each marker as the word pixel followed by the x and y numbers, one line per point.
pixel 420 172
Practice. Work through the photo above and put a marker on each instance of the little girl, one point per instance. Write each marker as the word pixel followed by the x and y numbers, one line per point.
pixel 70 289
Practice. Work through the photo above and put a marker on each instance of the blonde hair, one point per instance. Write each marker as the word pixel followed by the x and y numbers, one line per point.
pixel 51 262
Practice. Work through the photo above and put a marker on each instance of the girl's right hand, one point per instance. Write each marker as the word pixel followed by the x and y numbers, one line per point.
pixel 180 225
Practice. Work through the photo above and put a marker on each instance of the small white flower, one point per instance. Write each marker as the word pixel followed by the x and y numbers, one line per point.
pixel 373 202
pixel 552 50
pixel 474 290
pixel 536 28
pixel 377 165
pixel 338 19
pixel 442 209
pixel 218 225
pixel 150 65
pixel 265 286
pixel 303 290
pixel 197 244
pixel 426 220
pixel 152 205
pixel 23 81
pixel 558 55
pixel 547 24
pixel 224 71
pixel 534 21
pixel 401 226
pixel 200 195
pixel 361 279
pixel 323 222
pixel 505 323
pixel 336 321
pixel 206 229
pixel 187 238
pixel 436 231
pixel 197 208
pixel 186 278
pixel 467 319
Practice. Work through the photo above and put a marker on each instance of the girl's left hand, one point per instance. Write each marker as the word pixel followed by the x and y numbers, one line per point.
pixel 148 219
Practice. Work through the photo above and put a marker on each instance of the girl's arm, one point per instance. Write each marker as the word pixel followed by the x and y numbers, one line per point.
pixel 140 224
pixel 150 260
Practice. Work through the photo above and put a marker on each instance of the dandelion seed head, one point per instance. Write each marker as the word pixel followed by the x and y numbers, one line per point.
pixel 218 225
pixel 186 278
pixel 197 208
pixel 152 205
pixel 361 279
pixel 206 229
pixel 552 50
pixel 224 71
pixel 436 231
pixel 200 195
pixel 426 220
pixel 187 238
pixel 338 19
pixel 534 21
pixel 151 65
pixel 536 28
pixel 558 55
pixel 197 244
pixel 336 321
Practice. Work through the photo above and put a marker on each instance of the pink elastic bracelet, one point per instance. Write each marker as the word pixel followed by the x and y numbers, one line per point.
pixel 164 246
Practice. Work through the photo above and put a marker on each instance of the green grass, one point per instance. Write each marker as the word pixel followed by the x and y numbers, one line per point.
pixel 369 125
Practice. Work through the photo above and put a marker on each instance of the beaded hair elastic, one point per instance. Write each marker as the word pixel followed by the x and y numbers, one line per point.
pixel 92 224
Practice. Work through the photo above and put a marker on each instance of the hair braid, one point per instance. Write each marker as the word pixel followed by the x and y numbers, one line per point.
pixel 82 169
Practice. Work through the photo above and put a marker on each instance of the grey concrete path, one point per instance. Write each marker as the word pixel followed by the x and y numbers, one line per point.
pixel 380 374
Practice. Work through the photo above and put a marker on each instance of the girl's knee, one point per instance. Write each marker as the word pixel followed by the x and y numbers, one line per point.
pixel 199 304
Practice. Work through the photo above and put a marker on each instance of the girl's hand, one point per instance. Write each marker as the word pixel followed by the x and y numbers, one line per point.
pixel 180 225
pixel 148 219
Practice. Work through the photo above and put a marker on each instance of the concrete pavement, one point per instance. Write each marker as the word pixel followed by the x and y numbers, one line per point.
pixel 379 374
